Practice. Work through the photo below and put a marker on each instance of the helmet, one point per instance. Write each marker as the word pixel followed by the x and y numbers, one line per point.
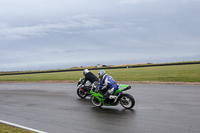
pixel 85 71
pixel 101 73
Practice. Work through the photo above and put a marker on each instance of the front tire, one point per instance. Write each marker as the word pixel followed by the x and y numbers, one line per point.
pixel 127 101
pixel 81 94
pixel 96 102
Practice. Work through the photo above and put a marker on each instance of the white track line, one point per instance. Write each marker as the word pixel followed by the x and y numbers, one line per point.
pixel 23 127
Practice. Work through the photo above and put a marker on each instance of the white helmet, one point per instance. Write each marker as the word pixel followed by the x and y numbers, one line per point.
pixel 85 71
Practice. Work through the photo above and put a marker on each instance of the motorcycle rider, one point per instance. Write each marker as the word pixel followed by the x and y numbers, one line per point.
pixel 107 84
pixel 89 76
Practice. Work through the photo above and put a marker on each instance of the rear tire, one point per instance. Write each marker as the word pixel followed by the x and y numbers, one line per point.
pixel 127 101
pixel 81 94
pixel 96 102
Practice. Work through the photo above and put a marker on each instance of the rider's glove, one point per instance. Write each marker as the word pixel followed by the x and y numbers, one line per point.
pixel 104 88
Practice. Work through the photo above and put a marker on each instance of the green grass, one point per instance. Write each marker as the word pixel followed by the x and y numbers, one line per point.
pixel 186 73
pixel 10 129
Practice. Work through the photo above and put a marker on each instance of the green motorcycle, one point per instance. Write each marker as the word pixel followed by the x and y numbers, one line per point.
pixel 126 100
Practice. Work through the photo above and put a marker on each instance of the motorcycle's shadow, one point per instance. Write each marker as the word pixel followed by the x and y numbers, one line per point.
pixel 85 101
pixel 114 110
pixel 108 115
pixel 118 110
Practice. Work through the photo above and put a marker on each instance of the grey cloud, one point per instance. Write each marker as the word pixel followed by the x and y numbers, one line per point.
pixel 76 24
pixel 134 1
pixel 66 33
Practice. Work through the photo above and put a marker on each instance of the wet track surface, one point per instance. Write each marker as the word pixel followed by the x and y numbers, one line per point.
pixel 55 108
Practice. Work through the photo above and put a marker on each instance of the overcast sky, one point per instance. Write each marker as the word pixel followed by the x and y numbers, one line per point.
pixel 59 34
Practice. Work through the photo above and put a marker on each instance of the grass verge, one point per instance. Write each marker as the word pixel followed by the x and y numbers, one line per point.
pixel 10 129
pixel 183 73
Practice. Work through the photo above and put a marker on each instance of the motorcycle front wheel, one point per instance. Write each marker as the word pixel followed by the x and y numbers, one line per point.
pixel 95 101
pixel 81 93
pixel 127 101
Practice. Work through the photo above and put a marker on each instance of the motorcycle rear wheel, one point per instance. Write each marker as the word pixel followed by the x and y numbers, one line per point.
pixel 96 102
pixel 81 94
pixel 127 101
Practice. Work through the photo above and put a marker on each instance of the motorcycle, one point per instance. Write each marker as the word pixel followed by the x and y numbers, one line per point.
pixel 83 91
pixel 126 100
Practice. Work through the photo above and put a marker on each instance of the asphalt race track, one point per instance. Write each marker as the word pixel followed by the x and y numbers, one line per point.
pixel 56 108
